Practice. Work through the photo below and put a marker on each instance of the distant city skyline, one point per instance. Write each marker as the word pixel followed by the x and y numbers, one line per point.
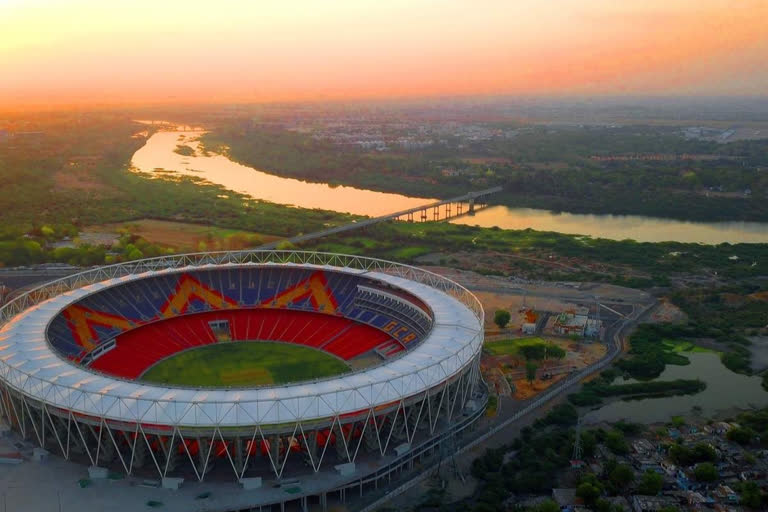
pixel 79 52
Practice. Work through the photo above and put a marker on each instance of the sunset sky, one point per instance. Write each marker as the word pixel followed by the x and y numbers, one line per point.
pixel 54 52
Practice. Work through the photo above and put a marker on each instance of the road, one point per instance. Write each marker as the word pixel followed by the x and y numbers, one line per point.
pixel 19 279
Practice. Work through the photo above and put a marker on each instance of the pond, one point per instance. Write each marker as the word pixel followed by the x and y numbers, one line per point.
pixel 725 391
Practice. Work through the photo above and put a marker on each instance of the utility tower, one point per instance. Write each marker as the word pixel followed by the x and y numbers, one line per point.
pixel 576 459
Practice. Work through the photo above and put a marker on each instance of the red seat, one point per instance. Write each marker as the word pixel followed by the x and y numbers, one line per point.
pixel 140 348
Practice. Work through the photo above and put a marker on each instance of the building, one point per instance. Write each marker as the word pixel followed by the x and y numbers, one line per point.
pixel 725 493
pixel 642 446
pixel 576 323
pixel 652 503
pixel 592 328
pixel 565 498
pixel 569 323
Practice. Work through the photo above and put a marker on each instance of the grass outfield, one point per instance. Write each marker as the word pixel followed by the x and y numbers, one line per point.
pixel 511 346
pixel 241 364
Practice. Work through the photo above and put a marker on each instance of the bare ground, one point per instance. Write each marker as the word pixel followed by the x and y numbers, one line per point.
pixel 181 235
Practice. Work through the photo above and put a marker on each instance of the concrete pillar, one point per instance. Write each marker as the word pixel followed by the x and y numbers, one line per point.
pixel 310 439
pixel 340 442
pixel 139 451
pixel 61 431
pixel 170 461
pixel 238 455
pixel 107 449
pixel 434 408
pixel 399 432
pixel 370 440
pixel 450 396
pixel 274 451
pixel 203 446
pixel 416 417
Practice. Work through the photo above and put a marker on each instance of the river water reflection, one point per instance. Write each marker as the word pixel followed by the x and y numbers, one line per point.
pixel 725 390
pixel 620 227
pixel 158 154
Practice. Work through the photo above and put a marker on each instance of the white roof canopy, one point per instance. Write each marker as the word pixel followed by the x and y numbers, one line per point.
pixel 29 364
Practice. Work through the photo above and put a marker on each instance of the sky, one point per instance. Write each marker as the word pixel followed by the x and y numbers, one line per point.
pixel 80 51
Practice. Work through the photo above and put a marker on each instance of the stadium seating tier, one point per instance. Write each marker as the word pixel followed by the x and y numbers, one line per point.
pixel 124 329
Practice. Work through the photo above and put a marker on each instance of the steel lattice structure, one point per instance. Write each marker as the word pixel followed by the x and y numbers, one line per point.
pixel 140 428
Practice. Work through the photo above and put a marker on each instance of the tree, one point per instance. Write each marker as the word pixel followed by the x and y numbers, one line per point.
pixel 751 495
pixel 705 472
pixel 530 372
pixel 603 505
pixel 740 435
pixel 285 246
pixel 683 456
pixel 588 492
pixel 134 254
pixel 650 484
pixel 621 476
pixel 547 506
pixel 501 318
pixel 616 442
pixel 552 351
pixel 703 452
pixel 535 352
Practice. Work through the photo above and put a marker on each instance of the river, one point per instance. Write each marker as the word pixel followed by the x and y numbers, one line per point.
pixel 158 155
pixel 620 227
pixel 725 391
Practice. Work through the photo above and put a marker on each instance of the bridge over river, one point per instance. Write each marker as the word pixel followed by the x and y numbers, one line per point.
pixel 446 209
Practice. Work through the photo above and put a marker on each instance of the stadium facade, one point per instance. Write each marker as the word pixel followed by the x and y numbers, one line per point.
pixel 73 352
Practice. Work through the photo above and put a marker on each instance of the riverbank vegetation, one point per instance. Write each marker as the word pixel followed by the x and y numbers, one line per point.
pixel 593 393
pixel 727 315
pixel 73 170
pixel 547 255
pixel 649 354
pixel 752 426
pixel 184 150
pixel 587 169
pixel 604 386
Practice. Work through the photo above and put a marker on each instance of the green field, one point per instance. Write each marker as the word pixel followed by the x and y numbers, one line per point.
pixel 242 364
pixel 685 346
pixel 511 346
